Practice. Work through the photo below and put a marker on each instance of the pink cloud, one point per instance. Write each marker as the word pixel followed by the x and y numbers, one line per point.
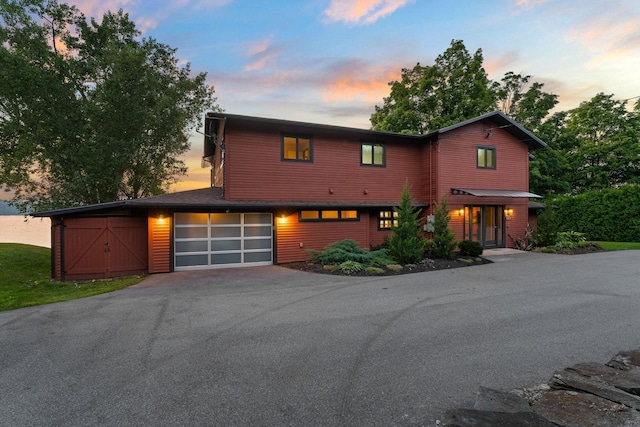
pixel 357 80
pixel 262 53
pixel 494 66
pixel 608 35
pixel 362 11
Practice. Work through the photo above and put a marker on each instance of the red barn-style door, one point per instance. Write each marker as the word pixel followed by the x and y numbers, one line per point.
pixel 101 248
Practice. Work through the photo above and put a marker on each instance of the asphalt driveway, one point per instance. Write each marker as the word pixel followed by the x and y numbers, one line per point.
pixel 270 346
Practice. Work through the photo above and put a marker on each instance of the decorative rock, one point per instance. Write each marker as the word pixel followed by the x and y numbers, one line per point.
pixel 475 418
pixel 626 361
pixel 574 409
pixel 571 380
pixel 500 401
pixel 624 380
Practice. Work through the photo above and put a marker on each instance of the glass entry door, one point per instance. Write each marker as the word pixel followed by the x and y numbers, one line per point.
pixel 485 224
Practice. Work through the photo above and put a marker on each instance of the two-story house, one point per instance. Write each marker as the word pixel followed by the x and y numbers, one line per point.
pixel 280 187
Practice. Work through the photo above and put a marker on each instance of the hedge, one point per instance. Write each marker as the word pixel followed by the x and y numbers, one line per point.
pixel 611 214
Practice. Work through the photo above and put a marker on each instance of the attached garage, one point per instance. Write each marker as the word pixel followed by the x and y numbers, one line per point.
pixel 210 240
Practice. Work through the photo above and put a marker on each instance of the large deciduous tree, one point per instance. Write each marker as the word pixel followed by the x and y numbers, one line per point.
pixel 90 111
pixel 602 142
pixel 525 101
pixel 427 98
pixel 456 88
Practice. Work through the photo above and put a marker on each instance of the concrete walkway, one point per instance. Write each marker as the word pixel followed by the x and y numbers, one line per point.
pixel 273 346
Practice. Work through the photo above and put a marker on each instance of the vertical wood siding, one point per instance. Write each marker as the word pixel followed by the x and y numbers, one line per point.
pixel 159 245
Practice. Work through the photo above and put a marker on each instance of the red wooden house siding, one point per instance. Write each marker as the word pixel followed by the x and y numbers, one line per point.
pixel 457 168
pixel 294 238
pixel 255 178
pixel 255 171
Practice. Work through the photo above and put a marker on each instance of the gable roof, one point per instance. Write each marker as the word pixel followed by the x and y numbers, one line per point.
pixel 504 122
pixel 497 117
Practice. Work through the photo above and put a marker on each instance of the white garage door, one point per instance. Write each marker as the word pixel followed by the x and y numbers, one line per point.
pixel 222 240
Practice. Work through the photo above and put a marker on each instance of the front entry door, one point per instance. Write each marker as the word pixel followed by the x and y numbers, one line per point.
pixel 485 224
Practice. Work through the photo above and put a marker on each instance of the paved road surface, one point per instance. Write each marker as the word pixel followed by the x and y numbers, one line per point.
pixel 271 346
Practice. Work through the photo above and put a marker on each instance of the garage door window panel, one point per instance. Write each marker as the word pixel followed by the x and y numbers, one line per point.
pixel 191 260
pixel 234 258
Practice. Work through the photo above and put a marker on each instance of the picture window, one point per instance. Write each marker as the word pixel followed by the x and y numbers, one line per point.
pixel 297 148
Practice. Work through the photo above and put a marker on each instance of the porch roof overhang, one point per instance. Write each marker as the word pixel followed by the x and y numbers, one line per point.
pixel 493 193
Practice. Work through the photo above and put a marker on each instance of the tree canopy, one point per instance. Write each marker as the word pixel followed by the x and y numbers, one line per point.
pixel 90 111
pixel 456 88
pixel 593 146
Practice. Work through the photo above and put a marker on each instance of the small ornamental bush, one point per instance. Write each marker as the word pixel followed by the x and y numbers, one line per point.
pixel 350 267
pixel 470 248
pixel 346 250
pixel 374 270
pixel 394 267
pixel 568 240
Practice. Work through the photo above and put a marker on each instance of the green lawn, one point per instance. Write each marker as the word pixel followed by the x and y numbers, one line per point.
pixel 619 246
pixel 25 279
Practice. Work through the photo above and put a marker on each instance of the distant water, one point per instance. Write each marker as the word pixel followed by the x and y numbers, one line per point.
pixel 35 231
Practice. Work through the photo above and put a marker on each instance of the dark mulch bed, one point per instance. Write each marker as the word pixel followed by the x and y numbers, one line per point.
pixel 424 265
pixel 587 248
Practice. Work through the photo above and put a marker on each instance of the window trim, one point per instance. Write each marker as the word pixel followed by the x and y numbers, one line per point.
pixel 393 218
pixel 373 163
pixel 486 148
pixel 297 138
pixel 332 219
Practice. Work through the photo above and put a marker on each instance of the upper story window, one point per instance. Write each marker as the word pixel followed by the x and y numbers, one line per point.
pixel 486 157
pixel 386 219
pixel 372 155
pixel 297 148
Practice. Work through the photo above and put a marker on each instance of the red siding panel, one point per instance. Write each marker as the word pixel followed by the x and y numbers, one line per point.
pixel 294 238
pixel 255 170
pixel 457 161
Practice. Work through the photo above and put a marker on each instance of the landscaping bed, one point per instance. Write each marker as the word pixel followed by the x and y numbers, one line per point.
pixel 426 264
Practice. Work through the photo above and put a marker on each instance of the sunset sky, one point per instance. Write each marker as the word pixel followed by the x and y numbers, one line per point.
pixel 330 61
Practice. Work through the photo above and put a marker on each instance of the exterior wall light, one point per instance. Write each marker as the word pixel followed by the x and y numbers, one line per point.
pixel 508 211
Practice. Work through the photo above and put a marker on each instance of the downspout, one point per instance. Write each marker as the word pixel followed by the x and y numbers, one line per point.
pixel 62 270
pixel 53 250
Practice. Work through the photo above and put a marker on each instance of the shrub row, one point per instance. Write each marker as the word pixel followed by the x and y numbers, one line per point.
pixel 611 214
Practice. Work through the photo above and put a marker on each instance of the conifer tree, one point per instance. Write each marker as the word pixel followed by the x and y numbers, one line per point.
pixel 406 244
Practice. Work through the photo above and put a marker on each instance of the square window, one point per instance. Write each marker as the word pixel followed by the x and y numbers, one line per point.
pixel 297 148
pixel 386 219
pixel 486 158
pixel 372 155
